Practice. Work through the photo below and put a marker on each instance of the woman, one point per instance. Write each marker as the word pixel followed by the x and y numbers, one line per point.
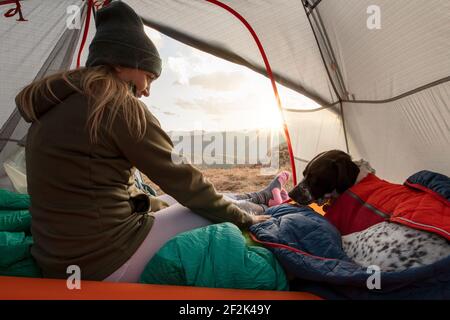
pixel 89 132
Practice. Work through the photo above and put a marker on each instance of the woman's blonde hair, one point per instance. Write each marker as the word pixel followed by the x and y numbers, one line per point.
pixel 107 96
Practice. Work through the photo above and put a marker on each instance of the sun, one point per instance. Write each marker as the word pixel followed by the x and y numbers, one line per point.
pixel 268 116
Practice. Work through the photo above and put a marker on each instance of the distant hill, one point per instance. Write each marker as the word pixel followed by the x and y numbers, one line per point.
pixel 234 178
pixel 228 148
pixel 240 178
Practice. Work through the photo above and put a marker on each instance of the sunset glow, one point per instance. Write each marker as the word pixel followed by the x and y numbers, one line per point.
pixel 198 90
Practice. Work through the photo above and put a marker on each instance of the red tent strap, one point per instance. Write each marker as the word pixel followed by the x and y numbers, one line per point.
pixel 90 4
pixel 270 74
pixel 14 11
pixel 97 4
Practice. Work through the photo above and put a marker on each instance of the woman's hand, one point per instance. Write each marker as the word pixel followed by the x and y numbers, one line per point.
pixel 259 218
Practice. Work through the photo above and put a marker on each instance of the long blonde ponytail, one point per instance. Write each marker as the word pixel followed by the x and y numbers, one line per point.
pixel 107 96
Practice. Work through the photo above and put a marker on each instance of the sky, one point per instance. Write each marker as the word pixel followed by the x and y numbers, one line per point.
pixel 198 91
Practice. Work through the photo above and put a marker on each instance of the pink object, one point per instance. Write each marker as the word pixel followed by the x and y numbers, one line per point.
pixel 280 195
pixel 276 200
pixel 284 195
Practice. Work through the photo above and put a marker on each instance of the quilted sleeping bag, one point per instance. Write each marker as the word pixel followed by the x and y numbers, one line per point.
pixel 15 237
pixel 421 202
pixel 215 256
pixel 309 247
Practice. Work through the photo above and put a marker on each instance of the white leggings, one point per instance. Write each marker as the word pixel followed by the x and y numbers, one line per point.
pixel 168 223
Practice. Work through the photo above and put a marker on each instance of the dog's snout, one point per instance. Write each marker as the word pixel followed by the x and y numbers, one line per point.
pixel 301 194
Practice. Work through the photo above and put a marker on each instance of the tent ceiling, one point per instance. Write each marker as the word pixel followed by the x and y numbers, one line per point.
pixel 410 50
pixel 391 81
pixel 281 26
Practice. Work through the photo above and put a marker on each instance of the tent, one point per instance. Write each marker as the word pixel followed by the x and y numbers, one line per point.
pixel 380 69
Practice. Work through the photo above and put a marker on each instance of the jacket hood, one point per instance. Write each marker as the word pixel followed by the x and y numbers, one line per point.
pixel 45 100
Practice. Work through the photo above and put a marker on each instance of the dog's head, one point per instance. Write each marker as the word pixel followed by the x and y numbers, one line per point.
pixel 329 173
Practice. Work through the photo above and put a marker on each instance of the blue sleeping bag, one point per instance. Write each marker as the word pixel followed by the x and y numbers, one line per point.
pixel 310 249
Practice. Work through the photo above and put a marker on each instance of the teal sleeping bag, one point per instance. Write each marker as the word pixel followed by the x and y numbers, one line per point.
pixel 15 221
pixel 15 236
pixel 15 255
pixel 13 201
pixel 14 214
pixel 216 256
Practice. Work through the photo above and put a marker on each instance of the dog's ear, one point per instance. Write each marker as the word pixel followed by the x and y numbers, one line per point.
pixel 305 172
pixel 347 172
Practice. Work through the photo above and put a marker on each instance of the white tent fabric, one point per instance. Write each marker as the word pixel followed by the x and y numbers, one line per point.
pixel 323 126
pixel 385 93
pixel 403 136
pixel 391 84
pixel 30 49
pixel 293 52
pixel 410 50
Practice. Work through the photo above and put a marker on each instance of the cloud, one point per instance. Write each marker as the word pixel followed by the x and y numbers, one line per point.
pixel 180 66
pixel 155 36
pixel 209 106
pixel 219 81
pixel 191 64
pixel 187 105
pixel 161 110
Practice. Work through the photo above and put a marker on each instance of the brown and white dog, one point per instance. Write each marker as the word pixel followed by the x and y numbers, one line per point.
pixel 390 246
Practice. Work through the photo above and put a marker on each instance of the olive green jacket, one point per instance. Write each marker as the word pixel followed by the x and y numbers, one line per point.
pixel 85 208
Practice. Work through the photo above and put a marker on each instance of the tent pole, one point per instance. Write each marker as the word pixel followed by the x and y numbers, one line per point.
pixel 331 54
pixel 344 127
pixel 304 3
pixel 272 79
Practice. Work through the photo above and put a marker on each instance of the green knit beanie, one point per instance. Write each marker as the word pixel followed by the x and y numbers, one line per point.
pixel 120 40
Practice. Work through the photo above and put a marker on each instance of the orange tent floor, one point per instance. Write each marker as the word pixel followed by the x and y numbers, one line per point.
pixel 15 288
